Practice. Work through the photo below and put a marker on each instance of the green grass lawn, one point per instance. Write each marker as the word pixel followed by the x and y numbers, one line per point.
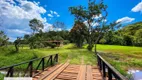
pixel 122 57
pixel 68 52
pixel 75 55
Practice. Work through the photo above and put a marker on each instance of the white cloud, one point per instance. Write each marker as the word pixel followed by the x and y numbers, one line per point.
pixel 58 15
pixel 16 16
pixel 125 20
pixel 85 22
pixel 17 31
pixel 53 13
pixel 49 15
pixel 97 16
pixel 137 8
pixel 94 24
pixel 47 27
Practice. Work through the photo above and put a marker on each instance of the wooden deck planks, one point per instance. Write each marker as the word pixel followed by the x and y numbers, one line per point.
pixel 89 73
pixel 82 73
pixel 46 72
pixel 56 73
pixel 70 72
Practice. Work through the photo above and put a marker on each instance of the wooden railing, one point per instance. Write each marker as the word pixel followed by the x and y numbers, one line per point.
pixel 34 66
pixel 108 71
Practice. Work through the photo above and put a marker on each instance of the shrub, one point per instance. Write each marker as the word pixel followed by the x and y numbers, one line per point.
pixel 89 47
pixel 66 41
pixel 102 41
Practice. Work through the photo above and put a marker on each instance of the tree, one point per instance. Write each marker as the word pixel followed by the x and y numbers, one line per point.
pixel 138 36
pixel 78 33
pixel 36 25
pixel 92 15
pixel 17 43
pixel 3 39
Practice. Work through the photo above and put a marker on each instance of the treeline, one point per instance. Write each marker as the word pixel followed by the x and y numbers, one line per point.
pixel 40 39
pixel 130 35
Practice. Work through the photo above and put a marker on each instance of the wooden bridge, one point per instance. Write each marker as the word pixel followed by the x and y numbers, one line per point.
pixel 70 72
pixel 49 69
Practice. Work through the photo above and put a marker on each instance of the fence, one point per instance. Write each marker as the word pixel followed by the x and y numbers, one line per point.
pixel 30 68
pixel 105 67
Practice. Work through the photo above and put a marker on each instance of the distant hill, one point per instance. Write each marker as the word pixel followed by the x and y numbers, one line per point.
pixel 131 29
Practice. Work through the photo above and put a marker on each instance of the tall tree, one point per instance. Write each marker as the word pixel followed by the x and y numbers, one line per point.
pixel 94 17
pixel 36 25
pixel 91 15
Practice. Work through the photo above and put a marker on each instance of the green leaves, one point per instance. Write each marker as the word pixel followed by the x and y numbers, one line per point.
pixel 36 25
pixel 90 15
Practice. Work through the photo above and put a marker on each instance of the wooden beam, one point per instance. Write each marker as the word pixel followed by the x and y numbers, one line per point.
pixel 56 73
pixel 89 72
pixel 82 73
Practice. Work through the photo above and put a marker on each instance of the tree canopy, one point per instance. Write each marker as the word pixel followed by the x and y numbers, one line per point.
pixel 36 25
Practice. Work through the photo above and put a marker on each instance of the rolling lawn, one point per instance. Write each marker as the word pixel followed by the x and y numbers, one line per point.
pixel 122 58
pixel 76 56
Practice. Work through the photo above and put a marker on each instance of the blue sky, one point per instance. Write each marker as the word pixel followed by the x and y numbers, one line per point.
pixel 15 14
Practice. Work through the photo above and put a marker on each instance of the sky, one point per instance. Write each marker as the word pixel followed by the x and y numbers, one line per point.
pixel 16 14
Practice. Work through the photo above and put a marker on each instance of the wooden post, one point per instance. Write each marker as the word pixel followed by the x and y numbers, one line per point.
pixel 11 72
pixel 43 64
pixel 100 61
pixel 57 58
pixel 51 63
pixel 109 74
pixel 31 69
pixel 104 70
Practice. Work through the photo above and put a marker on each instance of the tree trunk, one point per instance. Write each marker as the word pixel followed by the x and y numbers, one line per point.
pixel 95 48
pixel 17 49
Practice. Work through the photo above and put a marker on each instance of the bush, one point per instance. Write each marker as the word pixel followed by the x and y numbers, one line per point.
pixel 102 41
pixel 52 45
pixel 89 47
pixel 66 41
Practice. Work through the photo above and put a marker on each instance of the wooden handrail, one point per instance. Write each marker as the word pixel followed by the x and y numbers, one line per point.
pixel 29 68
pixel 112 72
pixel 24 62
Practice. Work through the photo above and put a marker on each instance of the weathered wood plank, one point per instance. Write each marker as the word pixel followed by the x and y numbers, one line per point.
pixel 82 73
pixel 89 72
pixel 47 73
pixel 56 73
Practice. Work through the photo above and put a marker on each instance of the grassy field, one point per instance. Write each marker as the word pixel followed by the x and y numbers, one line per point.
pixel 122 58
pixel 68 52
pixel 75 55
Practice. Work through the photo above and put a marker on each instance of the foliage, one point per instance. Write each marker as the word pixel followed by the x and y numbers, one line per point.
pixel 36 25
pixel 17 43
pixel 66 42
pixel 8 56
pixel 78 33
pixel 129 35
pixel 3 39
pixel 94 14
pixel 40 39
